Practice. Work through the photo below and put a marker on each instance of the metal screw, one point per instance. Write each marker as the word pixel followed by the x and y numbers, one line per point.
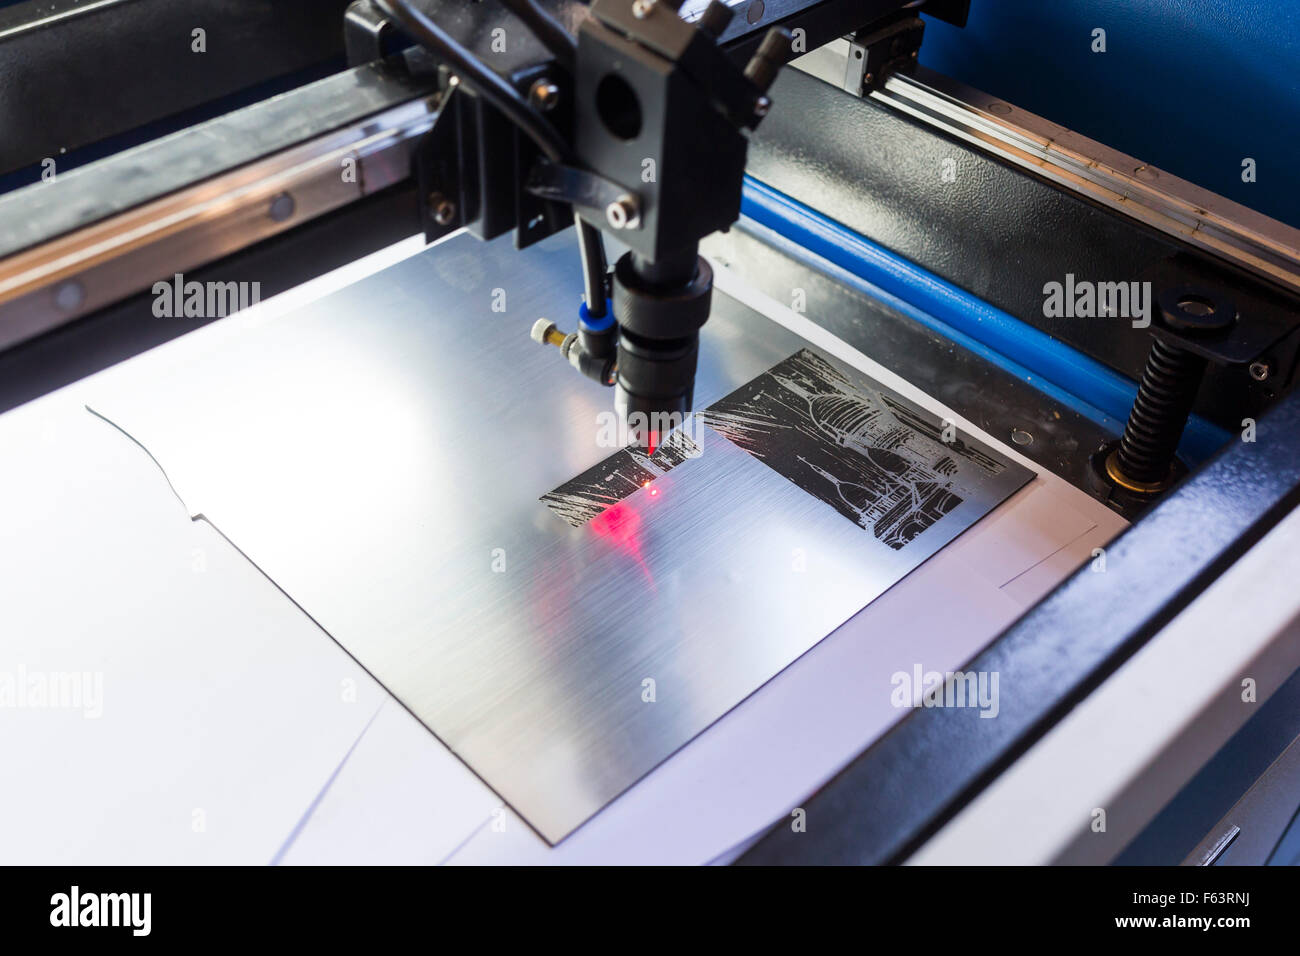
pixel 761 106
pixel 544 95
pixel 623 213
pixel 643 8
pixel 1021 437
pixel 1260 370
pixel 282 207
pixel 442 209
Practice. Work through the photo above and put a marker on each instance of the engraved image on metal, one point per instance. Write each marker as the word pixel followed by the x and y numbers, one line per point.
pixel 618 476
pixel 873 457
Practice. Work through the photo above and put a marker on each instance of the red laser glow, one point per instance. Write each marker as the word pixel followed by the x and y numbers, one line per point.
pixel 620 525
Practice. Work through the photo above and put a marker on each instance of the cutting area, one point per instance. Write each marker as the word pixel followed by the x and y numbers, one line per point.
pixel 429 518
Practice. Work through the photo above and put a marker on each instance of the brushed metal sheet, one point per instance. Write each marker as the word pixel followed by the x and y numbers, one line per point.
pixel 381 455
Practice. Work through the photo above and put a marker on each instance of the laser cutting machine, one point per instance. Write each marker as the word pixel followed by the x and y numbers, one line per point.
pixel 949 513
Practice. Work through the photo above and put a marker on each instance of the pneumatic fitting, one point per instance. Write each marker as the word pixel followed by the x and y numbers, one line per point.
pixel 591 349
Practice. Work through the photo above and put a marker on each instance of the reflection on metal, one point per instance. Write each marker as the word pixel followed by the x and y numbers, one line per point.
pixel 1216 848
pixel 390 485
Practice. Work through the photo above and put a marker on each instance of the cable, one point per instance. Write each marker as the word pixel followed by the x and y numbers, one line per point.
pixel 492 87
pixel 547 29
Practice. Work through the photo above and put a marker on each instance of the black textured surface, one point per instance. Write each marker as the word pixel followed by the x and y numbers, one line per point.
pixel 66 81
pixel 995 230
pixel 900 791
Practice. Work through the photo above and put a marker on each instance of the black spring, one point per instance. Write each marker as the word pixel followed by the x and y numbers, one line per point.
pixel 1164 400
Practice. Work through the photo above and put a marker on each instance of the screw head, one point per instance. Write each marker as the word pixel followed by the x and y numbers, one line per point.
pixel 623 213
pixel 544 95
pixel 1260 370
pixel 282 207
pixel 761 106
pixel 643 8
pixel 442 209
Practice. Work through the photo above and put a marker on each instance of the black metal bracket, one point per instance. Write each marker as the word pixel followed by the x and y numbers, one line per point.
pixel 590 192
pixel 498 184
pixel 889 46
pixel 448 198
pixel 472 166
pixel 1226 318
